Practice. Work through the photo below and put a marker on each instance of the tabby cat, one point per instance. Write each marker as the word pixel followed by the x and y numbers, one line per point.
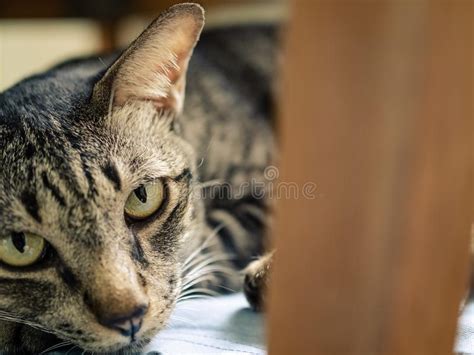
pixel 119 199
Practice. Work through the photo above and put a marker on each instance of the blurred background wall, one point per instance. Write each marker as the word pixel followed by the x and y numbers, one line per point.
pixel 37 34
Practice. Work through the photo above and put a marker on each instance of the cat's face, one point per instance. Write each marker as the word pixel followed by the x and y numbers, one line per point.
pixel 96 200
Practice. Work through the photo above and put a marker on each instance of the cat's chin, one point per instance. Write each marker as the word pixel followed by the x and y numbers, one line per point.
pixel 29 340
pixel 120 348
pixel 130 348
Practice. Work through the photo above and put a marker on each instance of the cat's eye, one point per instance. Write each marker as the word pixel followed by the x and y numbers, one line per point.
pixel 21 249
pixel 145 200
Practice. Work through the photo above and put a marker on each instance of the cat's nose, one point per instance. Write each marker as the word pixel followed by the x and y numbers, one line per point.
pixel 127 324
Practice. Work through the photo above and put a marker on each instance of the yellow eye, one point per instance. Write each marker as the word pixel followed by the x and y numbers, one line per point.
pixel 145 200
pixel 21 249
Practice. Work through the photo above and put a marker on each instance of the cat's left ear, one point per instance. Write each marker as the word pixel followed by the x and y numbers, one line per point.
pixel 154 67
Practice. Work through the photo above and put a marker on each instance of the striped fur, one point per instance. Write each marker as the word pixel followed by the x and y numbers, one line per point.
pixel 71 152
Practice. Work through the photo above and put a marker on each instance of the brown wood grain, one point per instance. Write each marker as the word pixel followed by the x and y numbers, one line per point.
pixel 377 111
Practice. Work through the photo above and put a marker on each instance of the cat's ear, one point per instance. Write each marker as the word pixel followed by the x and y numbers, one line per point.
pixel 154 67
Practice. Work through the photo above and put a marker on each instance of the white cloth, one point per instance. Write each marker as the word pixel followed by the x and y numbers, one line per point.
pixel 221 325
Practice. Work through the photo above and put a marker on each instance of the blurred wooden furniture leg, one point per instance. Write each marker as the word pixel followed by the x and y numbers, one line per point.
pixel 108 32
pixel 377 110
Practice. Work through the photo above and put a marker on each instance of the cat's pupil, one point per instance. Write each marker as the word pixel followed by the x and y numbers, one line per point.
pixel 141 194
pixel 18 240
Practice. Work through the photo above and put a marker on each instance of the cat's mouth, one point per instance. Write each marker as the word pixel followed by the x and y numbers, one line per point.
pixel 98 340
pixel 127 345
pixel 131 345
pixel 134 346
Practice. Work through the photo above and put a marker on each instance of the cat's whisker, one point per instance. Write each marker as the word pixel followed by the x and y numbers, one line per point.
pixel 202 257
pixel 8 317
pixel 200 163
pixel 75 346
pixel 206 153
pixel 197 255
pixel 226 288
pixel 192 283
pixel 204 245
pixel 199 266
pixel 206 264
pixel 187 298
pixel 211 183
pixel 209 269
pixel 209 259
pixel 111 103
pixel 206 275
pixel 56 346
pixel 181 319
pixel 202 274
pixel 202 279
pixel 206 260
pixel 188 309
pixel 209 275
pixel 203 291
pixel 204 296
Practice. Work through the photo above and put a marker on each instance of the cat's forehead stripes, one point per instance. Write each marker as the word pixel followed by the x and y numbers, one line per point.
pixel 30 203
pixel 40 150
pixel 110 171
pixel 86 169
pixel 55 191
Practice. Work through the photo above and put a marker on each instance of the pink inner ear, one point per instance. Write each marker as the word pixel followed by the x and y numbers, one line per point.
pixel 154 67
pixel 177 78
pixel 176 82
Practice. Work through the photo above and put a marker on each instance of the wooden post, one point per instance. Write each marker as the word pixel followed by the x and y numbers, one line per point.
pixel 377 111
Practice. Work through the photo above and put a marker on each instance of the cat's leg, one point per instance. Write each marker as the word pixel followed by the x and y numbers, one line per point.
pixel 241 226
pixel 257 278
pixel 238 206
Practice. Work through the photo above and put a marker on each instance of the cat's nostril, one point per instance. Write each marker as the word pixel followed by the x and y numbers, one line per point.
pixel 127 324
pixel 130 327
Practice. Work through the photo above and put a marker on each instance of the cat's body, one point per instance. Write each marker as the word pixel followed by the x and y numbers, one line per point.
pixel 79 140
pixel 228 120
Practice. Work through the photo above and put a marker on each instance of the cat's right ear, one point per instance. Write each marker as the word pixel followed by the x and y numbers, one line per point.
pixel 154 67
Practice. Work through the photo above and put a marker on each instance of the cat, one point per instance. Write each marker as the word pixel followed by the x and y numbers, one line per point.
pixel 120 198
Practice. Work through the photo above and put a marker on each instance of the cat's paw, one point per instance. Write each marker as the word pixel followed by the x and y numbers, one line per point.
pixel 257 276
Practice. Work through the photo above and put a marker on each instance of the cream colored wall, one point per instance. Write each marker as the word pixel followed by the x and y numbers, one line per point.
pixel 30 46
pixel 218 15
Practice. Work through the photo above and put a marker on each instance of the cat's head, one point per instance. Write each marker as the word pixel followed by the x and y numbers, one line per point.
pixel 96 191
